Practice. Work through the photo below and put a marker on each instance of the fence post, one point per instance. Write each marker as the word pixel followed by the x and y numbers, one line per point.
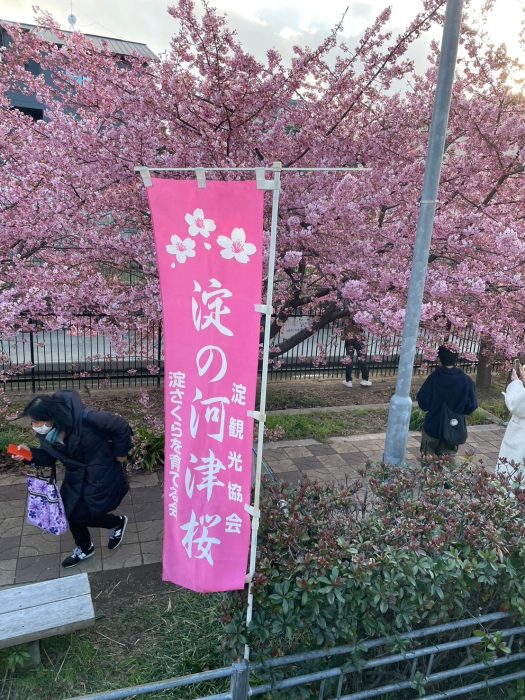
pixel 159 352
pixel 240 680
pixel 32 355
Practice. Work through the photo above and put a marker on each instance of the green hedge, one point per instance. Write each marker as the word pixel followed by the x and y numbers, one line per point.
pixel 416 547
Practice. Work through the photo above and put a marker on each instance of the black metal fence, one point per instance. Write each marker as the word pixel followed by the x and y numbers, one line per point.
pixel 323 353
pixel 78 355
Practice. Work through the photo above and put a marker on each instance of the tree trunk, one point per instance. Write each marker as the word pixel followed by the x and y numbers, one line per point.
pixel 485 359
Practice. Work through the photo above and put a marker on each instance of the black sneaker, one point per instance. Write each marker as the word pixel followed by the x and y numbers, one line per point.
pixel 77 556
pixel 118 533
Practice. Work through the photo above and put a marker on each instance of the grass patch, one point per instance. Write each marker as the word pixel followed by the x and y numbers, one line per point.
pixel 157 637
pixel 499 409
pixel 320 425
pixel 280 398
pixel 13 432
pixel 493 401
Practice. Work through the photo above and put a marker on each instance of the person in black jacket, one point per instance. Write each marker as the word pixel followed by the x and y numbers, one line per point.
pixel 355 339
pixel 448 385
pixel 92 446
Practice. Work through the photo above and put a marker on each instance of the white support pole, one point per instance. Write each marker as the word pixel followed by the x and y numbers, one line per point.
pixel 262 402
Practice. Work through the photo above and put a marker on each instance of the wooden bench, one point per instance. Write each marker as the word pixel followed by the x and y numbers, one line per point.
pixel 37 610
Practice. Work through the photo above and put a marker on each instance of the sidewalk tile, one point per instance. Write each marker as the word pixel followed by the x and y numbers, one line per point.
pixel 355 459
pixel 278 458
pixel 309 463
pixel 126 555
pixel 280 467
pixel 147 495
pixel 40 568
pixel 11 479
pixel 345 448
pixel 150 510
pixel 12 509
pixel 334 460
pixel 126 501
pixel 9 547
pixel 321 450
pixel 11 527
pixel 7 572
pixel 26 554
pixel 296 452
pixel 14 492
pixel 151 551
pixel 149 530
pixel 40 543
pixel 141 479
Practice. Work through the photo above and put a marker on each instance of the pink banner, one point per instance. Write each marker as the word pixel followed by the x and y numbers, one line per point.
pixel 209 251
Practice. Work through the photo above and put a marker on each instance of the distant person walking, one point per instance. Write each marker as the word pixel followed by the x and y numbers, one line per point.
pixel 355 341
pixel 511 458
pixel 448 388
pixel 92 445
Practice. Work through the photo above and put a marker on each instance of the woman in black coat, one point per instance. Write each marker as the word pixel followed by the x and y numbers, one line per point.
pixel 92 445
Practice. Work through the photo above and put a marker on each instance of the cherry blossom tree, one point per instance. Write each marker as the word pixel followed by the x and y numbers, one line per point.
pixel 75 233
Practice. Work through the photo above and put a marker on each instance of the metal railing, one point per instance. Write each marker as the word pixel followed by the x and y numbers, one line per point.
pixel 78 355
pixel 350 679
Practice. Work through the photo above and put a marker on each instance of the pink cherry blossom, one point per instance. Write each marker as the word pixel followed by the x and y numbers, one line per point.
pixel 75 230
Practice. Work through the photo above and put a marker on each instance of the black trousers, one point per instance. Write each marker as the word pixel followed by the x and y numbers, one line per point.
pixel 350 346
pixel 80 531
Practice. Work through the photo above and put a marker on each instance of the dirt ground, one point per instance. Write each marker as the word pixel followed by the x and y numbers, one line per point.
pixel 113 591
pixel 332 392
pixel 287 393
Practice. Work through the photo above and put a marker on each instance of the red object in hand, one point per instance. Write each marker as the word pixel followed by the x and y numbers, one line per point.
pixel 19 452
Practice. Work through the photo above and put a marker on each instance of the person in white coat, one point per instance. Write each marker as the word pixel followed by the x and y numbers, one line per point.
pixel 511 458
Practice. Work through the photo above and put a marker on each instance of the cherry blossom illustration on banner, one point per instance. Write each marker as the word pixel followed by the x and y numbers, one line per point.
pixel 236 247
pixel 181 249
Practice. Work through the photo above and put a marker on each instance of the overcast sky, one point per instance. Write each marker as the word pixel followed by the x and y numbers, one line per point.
pixel 261 24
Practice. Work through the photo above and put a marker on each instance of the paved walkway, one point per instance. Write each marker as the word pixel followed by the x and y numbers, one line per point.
pixel 27 555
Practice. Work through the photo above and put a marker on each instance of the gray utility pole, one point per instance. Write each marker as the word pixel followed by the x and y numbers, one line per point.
pixel 401 403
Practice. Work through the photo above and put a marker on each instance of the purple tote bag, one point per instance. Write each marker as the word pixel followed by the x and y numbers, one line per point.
pixel 45 509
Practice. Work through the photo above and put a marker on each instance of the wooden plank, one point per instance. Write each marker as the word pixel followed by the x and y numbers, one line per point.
pixel 23 597
pixel 47 620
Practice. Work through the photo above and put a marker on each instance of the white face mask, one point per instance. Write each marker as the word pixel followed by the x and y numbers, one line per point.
pixel 42 429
